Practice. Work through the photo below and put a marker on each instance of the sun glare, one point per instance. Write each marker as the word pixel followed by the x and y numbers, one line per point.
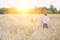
pixel 23 8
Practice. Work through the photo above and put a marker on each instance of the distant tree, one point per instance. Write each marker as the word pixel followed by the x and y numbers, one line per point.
pixel 46 9
pixel 58 12
pixel 2 10
pixel 36 10
pixel 53 9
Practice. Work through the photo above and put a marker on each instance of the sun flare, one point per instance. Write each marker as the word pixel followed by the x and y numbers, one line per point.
pixel 23 6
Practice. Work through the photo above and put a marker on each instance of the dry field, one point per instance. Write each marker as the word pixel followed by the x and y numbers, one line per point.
pixel 28 27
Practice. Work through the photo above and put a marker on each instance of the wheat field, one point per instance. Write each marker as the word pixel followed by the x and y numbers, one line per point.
pixel 28 27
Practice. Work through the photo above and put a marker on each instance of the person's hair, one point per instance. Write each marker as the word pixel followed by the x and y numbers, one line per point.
pixel 45 13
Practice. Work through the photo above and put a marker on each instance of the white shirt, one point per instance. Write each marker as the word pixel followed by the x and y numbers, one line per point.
pixel 45 19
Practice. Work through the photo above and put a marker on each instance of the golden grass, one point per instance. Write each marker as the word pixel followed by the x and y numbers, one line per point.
pixel 25 27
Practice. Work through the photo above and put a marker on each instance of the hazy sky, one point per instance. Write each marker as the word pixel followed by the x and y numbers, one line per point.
pixel 29 3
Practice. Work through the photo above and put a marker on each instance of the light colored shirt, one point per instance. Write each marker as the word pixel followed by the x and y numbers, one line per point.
pixel 45 19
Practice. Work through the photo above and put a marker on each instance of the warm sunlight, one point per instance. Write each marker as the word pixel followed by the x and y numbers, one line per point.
pixel 23 5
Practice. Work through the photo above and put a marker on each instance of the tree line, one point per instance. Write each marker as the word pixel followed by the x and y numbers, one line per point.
pixel 37 10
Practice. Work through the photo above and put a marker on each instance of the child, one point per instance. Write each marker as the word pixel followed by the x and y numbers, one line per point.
pixel 45 21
